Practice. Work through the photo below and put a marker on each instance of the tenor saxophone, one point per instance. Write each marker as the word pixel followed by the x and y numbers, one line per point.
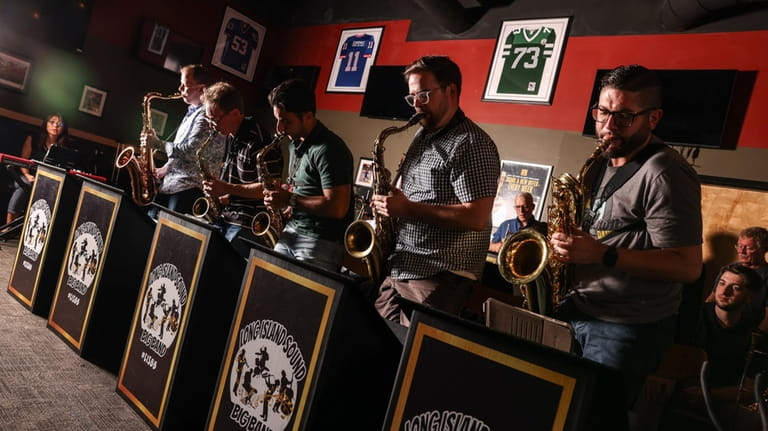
pixel 363 241
pixel 269 223
pixel 526 256
pixel 206 207
pixel 141 169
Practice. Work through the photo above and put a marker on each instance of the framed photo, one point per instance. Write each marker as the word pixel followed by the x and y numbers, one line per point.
pixel 14 71
pixel 526 60
pixel 355 55
pixel 239 44
pixel 158 39
pixel 364 177
pixel 518 177
pixel 159 119
pixel 92 101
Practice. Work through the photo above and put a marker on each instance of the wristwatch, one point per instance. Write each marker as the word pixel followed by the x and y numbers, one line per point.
pixel 610 257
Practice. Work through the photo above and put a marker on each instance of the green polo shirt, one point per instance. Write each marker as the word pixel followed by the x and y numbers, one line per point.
pixel 321 161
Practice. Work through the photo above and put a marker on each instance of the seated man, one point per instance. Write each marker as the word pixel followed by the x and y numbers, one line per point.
pixel 525 220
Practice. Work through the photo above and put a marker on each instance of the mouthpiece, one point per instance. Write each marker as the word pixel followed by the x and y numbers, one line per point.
pixel 415 118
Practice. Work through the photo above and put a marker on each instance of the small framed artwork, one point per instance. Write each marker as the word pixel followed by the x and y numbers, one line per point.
pixel 158 39
pixel 364 177
pixel 239 44
pixel 158 121
pixel 14 71
pixel 355 55
pixel 526 60
pixel 92 101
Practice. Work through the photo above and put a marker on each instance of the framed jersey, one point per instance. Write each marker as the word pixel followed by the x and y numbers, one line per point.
pixel 355 55
pixel 526 60
pixel 239 44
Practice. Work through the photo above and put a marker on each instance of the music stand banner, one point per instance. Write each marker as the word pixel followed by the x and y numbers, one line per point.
pixel 83 264
pixel 272 354
pixel 159 322
pixel 505 383
pixel 42 234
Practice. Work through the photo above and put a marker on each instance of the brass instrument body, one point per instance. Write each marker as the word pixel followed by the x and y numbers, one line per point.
pixel 526 256
pixel 361 240
pixel 206 207
pixel 267 224
pixel 141 168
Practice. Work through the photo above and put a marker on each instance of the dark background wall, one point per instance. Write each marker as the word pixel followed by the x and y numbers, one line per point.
pixel 604 33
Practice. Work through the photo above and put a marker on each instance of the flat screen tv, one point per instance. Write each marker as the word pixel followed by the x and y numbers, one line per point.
pixel 384 94
pixel 696 104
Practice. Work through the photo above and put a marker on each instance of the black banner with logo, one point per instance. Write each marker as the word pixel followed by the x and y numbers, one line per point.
pixel 46 224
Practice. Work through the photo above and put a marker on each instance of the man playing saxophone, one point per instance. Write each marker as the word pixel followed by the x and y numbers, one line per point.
pixel 640 238
pixel 443 206
pixel 179 178
pixel 319 184
pixel 238 189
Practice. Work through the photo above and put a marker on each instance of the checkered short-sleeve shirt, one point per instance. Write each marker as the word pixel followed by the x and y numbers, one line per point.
pixel 456 164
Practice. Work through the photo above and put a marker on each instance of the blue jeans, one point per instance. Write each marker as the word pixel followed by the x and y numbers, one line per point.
pixel 181 202
pixel 319 252
pixel 634 350
pixel 239 237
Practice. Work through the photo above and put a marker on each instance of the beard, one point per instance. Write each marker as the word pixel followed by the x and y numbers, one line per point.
pixel 624 146
pixel 728 307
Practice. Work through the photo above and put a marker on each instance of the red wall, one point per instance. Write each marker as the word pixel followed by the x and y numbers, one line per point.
pixel 744 51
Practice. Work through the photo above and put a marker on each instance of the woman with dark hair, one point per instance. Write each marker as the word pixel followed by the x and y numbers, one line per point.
pixel 53 131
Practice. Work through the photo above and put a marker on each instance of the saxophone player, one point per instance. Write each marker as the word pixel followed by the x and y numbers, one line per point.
pixel 238 188
pixel 319 185
pixel 640 238
pixel 443 205
pixel 179 178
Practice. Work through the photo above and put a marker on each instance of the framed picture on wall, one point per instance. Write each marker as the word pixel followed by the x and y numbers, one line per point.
pixel 364 177
pixel 159 118
pixel 518 177
pixel 14 71
pixel 92 101
pixel 355 55
pixel 158 39
pixel 527 60
pixel 239 44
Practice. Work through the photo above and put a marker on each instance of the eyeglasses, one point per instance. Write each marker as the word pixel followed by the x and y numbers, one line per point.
pixel 740 247
pixel 214 121
pixel 622 119
pixel 521 207
pixel 422 96
pixel 55 123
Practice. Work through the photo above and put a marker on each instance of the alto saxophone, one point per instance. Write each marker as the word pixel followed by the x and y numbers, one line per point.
pixel 361 240
pixel 269 223
pixel 206 207
pixel 526 256
pixel 142 172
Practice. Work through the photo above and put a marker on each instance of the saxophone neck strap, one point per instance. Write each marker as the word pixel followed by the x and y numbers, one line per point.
pixel 623 174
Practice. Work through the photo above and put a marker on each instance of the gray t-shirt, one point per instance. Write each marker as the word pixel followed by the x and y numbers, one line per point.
pixel 658 207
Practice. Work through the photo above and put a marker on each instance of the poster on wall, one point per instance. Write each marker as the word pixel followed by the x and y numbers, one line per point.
pixel 526 60
pixel 355 55
pixel 239 44
pixel 519 177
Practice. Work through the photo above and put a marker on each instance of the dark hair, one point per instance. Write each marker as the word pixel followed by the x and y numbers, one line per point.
pixel 445 70
pixel 63 137
pixel 752 280
pixel 293 95
pixel 757 234
pixel 199 73
pixel 224 95
pixel 637 79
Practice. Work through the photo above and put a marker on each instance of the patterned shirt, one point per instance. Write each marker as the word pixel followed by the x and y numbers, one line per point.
pixel 182 168
pixel 240 167
pixel 456 164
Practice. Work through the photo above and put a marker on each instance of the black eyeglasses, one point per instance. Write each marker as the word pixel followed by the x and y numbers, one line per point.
pixel 622 119
pixel 55 123
pixel 422 96
pixel 214 121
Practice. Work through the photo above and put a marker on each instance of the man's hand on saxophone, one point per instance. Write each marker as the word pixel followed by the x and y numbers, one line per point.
pixel 394 204
pixel 578 247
